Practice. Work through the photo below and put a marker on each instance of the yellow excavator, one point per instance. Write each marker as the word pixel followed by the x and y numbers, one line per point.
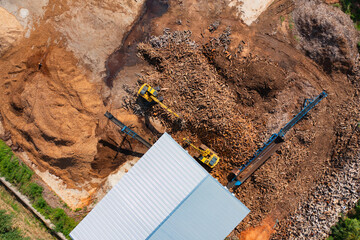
pixel 151 94
pixel 207 156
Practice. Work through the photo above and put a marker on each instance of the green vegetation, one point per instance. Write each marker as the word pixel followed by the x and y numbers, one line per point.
pixel 348 227
pixel 20 176
pixel 22 218
pixel 352 8
pixel 291 22
pixel 337 5
pixel 7 231
pixel 282 19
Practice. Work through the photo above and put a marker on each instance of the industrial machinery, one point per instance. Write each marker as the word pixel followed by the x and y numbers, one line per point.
pixel 207 156
pixel 239 175
pixel 152 95
pixel 127 130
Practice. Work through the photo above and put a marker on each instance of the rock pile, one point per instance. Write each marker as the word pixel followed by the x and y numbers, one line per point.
pixel 175 37
pixel 314 218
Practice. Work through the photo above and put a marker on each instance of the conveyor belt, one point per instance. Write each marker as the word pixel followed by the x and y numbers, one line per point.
pixel 127 130
pixel 239 175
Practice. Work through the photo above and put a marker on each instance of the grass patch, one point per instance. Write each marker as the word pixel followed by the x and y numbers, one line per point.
pixel 337 5
pixel 7 231
pixel 291 23
pixel 282 19
pixel 348 227
pixel 15 207
pixel 20 176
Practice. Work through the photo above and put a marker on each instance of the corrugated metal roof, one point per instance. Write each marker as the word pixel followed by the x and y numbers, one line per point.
pixel 165 186
pixel 209 213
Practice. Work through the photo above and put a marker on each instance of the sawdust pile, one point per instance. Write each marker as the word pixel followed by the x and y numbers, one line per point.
pixel 51 111
pixel 51 118
pixel 10 31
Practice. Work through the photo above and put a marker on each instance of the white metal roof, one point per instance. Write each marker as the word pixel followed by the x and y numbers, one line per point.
pixel 166 195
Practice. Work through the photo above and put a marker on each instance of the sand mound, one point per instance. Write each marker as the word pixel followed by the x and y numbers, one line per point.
pixel 10 31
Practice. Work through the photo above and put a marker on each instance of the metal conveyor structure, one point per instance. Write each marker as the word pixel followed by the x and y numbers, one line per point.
pixel 127 130
pixel 239 175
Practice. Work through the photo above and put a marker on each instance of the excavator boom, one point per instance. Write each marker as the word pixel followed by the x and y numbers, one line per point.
pixel 202 152
pixel 164 106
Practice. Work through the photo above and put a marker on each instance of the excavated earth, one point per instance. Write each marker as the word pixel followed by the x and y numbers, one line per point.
pixel 232 84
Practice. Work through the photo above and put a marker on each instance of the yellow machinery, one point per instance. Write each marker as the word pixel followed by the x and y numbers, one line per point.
pixel 207 156
pixel 151 94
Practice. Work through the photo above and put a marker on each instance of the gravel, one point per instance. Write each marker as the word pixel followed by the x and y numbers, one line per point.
pixel 175 37
pixel 339 193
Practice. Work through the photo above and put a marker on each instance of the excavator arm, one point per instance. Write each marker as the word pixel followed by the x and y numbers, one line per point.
pixel 164 106
pixel 202 152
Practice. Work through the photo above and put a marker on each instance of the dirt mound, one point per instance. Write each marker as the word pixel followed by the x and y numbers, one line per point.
pixel 55 115
pixel 327 35
pixel 53 119
pixel 94 29
pixel 10 31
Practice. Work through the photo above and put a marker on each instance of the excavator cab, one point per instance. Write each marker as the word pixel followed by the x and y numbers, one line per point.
pixel 207 156
pixel 151 95
pixel 146 92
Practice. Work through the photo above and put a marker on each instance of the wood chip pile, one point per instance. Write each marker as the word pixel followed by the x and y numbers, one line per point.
pixel 207 105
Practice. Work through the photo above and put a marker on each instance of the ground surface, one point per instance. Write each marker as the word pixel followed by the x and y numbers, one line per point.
pixel 233 85
pixel 23 218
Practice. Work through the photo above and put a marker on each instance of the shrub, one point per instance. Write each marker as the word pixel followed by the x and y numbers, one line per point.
pixel 352 8
pixel 348 228
pixel 10 168
pixel 32 190
pixel 5 222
